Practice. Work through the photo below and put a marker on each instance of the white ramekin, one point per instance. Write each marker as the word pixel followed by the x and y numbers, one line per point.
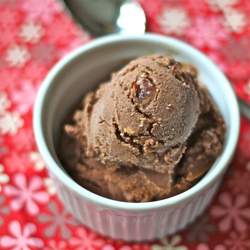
pixel 82 70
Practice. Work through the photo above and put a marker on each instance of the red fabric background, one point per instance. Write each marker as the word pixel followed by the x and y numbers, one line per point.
pixel 34 34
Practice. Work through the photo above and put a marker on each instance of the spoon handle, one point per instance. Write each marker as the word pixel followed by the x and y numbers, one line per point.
pixel 244 108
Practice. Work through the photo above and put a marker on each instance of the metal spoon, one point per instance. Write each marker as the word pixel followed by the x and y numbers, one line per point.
pixel 102 17
pixel 244 108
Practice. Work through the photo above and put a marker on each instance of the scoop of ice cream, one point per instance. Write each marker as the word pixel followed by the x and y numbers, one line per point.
pixel 142 117
pixel 162 93
pixel 135 184
pixel 150 133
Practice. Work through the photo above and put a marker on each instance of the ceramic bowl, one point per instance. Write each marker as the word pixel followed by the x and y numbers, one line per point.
pixel 82 70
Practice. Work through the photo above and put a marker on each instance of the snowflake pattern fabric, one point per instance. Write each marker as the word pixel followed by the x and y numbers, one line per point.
pixel 26 194
pixel 34 35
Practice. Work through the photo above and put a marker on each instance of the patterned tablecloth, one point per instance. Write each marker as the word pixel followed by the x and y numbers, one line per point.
pixel 34 34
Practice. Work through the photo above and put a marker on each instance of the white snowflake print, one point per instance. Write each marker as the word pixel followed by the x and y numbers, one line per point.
pixel 21 239
pixel 170 244
pixel 26 193
pixel 173 20
pixel 17 56
pixel 11 3
pixel 233 212
pixel 44 10
pixel 24 95
pixel 31 32
pixel 236 51
pixel 17 161
pixel 37 159
pixel 217 5
pixel 206 32
pixel 4 102
pixel 201 229
pixel 237 241
pixel 8 78
pixel 4 178
pixel 234 20
pixel 56 245
pixel 57 219
pixel 43 53
pixel 203 246
pixel 49 185
pixel 239 182
pixel 86 240
pixel 10 123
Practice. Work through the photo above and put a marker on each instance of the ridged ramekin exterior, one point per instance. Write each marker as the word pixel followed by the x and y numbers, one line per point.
pixel 136 225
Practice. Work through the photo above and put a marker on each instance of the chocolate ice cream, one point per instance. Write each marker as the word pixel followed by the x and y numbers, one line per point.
pixel 148 134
